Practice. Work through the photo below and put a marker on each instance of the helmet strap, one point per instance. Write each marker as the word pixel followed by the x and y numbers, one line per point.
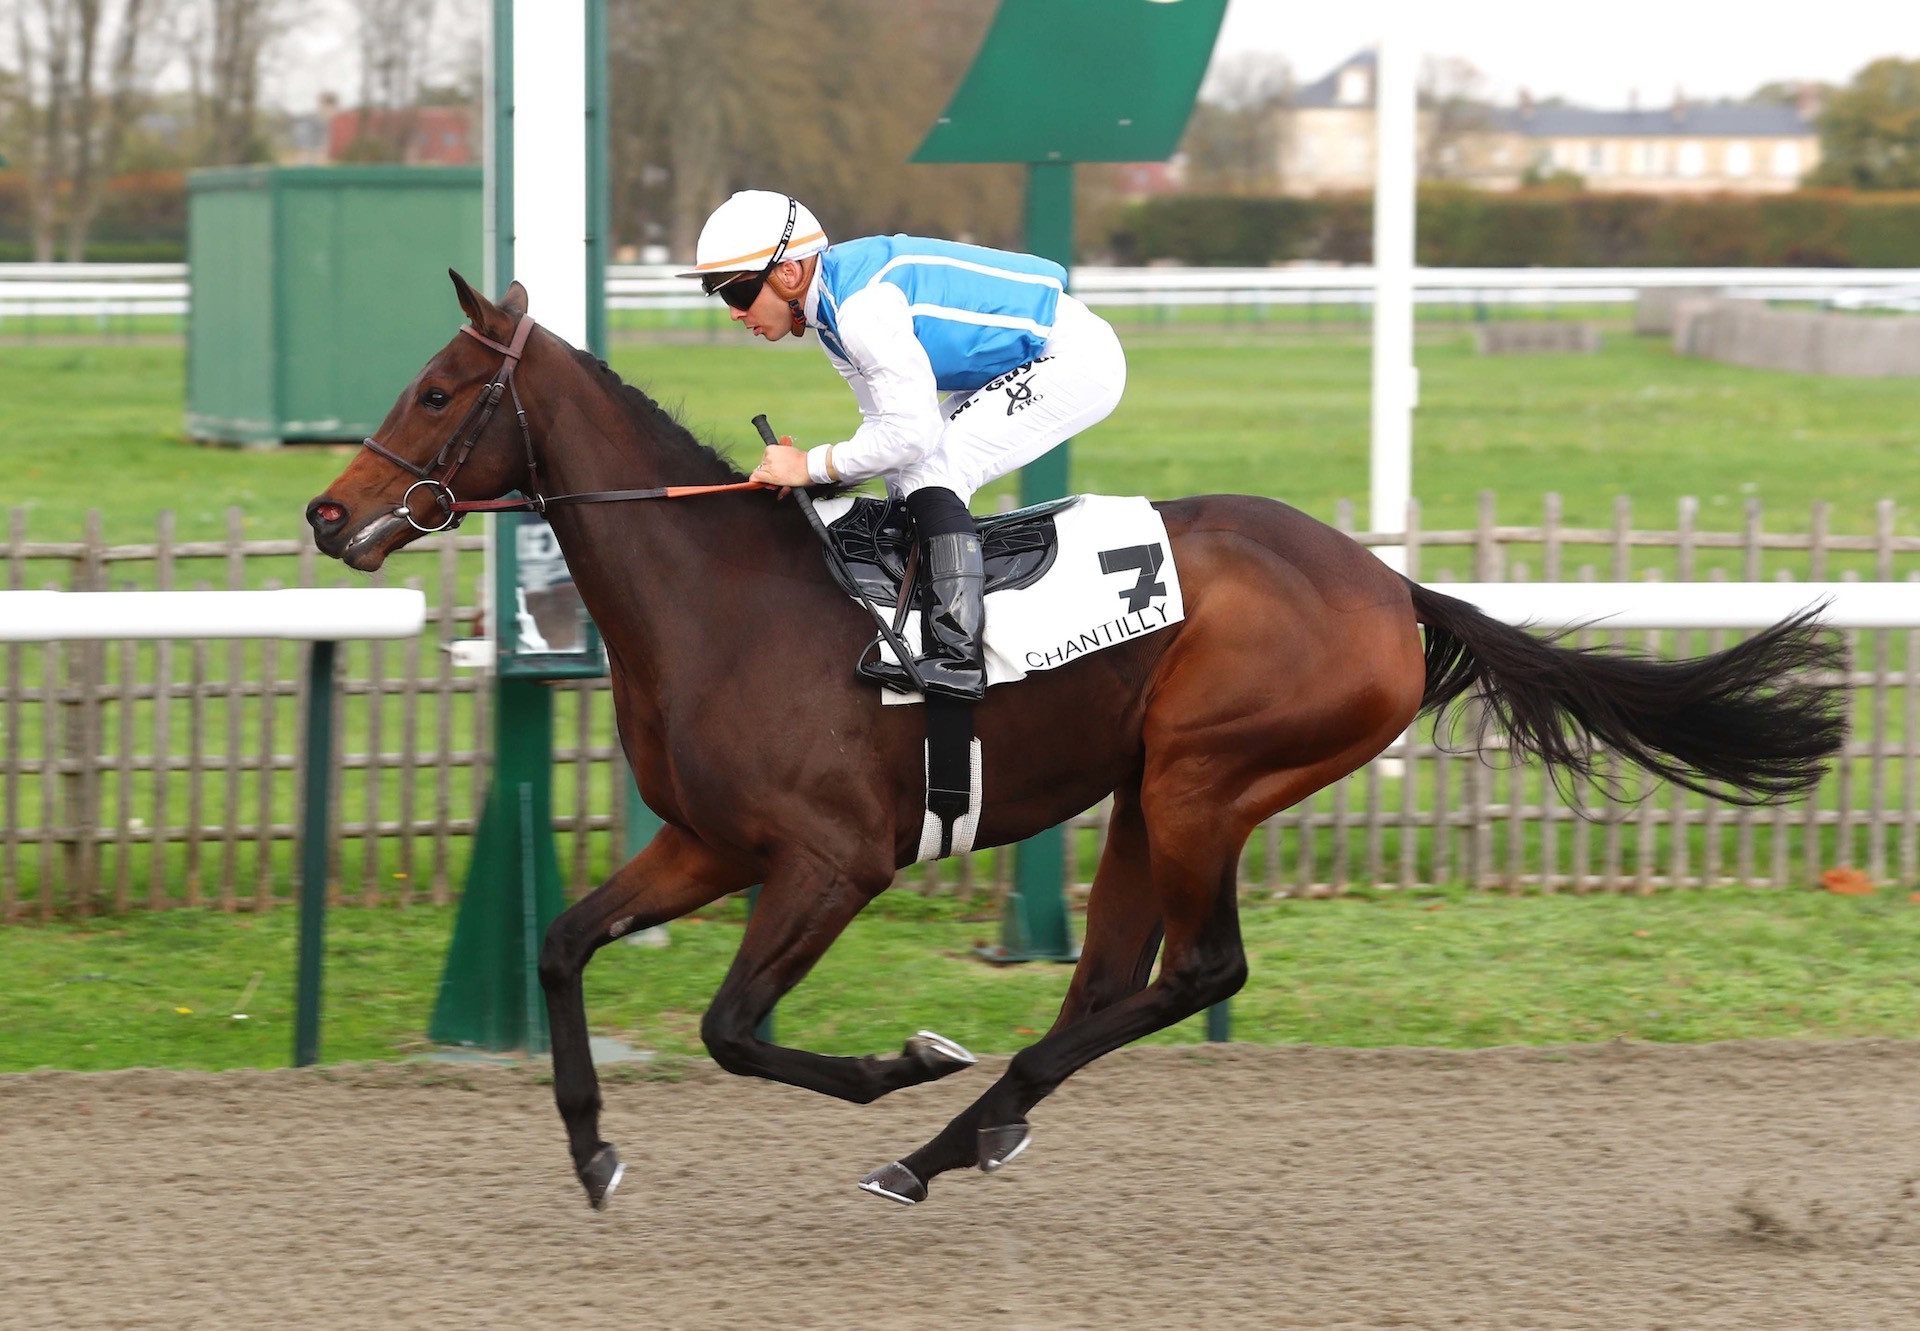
pixel 795 302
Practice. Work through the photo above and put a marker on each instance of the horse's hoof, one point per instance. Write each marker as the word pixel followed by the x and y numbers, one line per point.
pixel 895 1182
pixel 999 1146
pixel 601 1176
pixel 938 1054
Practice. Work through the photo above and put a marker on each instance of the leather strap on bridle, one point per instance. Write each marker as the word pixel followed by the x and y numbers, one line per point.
pixel 453 454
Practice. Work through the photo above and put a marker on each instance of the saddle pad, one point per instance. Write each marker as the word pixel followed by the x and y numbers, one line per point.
pixel 1112 579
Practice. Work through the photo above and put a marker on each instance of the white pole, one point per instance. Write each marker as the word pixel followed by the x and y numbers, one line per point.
pixel 1396 384
pixel 550 228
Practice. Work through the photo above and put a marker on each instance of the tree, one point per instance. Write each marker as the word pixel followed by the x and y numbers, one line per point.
pixel 1456 107
pixel 1236 140
pixel 1870 129
pixel 826 101
pixel 225 44
pixel 394 39
pixel 72 117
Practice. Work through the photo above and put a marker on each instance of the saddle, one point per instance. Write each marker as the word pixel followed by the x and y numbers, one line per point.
pixel 875 537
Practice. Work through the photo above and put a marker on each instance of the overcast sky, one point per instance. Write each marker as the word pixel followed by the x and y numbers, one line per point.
pixel 1595 54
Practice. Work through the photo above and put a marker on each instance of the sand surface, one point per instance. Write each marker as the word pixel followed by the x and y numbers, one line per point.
pixel 1623 1186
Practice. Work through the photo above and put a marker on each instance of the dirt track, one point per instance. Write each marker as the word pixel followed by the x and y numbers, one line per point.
pixel 1744 1185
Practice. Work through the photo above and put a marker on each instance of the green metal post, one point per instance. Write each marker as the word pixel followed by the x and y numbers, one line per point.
pixel 313 852
pixel 598 216
pixel 1220 1022
pixel 1034 924
pixel 1049 235
pixel 490 990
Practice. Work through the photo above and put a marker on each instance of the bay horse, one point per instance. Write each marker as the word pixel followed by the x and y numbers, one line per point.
pixel 731 653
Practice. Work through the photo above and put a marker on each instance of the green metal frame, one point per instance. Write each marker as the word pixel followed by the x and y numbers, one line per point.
pixel 489 989
pixel 1124 96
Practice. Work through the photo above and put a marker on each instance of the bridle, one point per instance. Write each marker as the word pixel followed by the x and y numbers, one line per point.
pixel 466 437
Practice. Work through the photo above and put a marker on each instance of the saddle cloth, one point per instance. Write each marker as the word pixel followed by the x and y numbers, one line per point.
pixel 1064 579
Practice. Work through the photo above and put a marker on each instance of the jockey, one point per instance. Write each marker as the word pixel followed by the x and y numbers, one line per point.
pixel 967 363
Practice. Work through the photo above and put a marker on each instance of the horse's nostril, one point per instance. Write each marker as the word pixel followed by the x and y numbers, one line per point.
pixel 328 512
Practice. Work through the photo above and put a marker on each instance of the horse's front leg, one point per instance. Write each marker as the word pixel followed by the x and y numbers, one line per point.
pixel 803 907
pixel 676 873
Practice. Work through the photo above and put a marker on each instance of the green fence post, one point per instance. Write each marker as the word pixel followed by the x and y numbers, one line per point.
pixel 1220 1021
pixel 313 852
pixel 490 990
pixel 1033 925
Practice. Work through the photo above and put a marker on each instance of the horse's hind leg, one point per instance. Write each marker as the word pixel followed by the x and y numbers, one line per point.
pixel 1195 834
pixel 801 911
pixel 673 875
pixel 1123 919
pixel 1116 958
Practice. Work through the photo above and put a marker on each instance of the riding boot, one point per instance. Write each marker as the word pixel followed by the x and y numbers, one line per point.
pixel 953 661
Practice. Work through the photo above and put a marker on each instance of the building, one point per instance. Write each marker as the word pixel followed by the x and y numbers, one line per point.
pixel 426 135
pixel 1327 142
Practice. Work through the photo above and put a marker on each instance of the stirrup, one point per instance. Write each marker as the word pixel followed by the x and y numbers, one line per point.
pixel 887 673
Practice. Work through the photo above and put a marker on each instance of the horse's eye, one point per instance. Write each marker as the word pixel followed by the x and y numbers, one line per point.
pixel 434 398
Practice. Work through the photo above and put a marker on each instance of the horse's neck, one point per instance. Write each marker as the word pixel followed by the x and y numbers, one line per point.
pixel 645 568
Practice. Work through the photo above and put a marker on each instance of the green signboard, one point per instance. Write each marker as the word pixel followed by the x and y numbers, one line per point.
pixel 1079 81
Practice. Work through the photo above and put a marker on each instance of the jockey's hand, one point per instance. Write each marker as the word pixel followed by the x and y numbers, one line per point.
pixel 783 465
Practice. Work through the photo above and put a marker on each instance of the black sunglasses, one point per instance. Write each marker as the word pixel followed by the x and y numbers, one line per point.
pixel 738 290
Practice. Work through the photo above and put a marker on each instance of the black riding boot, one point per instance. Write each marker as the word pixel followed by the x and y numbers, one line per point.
pixel 952 661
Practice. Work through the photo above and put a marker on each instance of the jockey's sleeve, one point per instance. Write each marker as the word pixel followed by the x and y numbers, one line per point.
pixel 892 380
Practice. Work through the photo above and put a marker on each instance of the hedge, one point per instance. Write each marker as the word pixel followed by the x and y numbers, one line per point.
pixel 1536 228
pixel 142 218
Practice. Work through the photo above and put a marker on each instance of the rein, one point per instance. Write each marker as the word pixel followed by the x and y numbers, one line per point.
pixel 466 437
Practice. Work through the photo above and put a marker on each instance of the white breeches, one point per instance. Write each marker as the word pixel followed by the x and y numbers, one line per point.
pixel 1007 423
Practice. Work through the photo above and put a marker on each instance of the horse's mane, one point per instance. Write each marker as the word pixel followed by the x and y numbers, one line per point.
pixel 702 463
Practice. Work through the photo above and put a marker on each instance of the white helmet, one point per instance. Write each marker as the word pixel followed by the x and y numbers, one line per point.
pixel 754 230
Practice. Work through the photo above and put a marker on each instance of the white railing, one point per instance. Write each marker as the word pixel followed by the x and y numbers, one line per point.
pixel 653 286
pixel 117 290
pixel 92 290
pixel 1556 606
pixel 323 616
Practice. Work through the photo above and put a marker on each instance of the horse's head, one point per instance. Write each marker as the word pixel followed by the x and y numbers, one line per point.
pixel 456 419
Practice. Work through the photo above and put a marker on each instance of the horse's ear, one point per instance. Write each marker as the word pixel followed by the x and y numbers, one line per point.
pixel 476 306
pixel 515 301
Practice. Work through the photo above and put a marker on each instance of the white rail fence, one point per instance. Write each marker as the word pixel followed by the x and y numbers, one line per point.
pixel 104 292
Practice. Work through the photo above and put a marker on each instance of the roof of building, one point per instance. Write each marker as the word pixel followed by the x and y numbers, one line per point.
pixel 1706 120
pixel 1714 120
pixel 1325 90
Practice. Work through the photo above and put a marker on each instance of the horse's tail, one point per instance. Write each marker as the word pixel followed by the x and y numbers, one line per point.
pixel 1737 724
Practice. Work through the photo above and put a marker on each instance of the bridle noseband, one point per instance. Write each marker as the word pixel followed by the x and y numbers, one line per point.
pixel 461 443
pixel 466 437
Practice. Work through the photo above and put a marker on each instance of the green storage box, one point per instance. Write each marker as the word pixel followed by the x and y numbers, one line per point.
pixel 318 292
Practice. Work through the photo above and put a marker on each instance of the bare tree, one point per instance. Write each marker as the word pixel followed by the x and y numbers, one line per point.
pixel 1455 106
pixel 73 121
pixel 394 45
pixel 225 46
pixel 1236 139
pixel 735 94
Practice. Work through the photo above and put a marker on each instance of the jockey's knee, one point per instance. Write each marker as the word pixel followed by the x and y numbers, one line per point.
pixel 938 511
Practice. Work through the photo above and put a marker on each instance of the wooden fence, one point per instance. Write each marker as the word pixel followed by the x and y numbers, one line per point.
pixel 159 774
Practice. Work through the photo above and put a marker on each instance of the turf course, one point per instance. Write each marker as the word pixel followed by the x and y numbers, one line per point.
pixel 1454 969
pixel 99 427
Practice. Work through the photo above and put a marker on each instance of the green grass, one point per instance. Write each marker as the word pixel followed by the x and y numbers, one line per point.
pixel 1274 413
pixel 1264 413
pixel 1450 969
